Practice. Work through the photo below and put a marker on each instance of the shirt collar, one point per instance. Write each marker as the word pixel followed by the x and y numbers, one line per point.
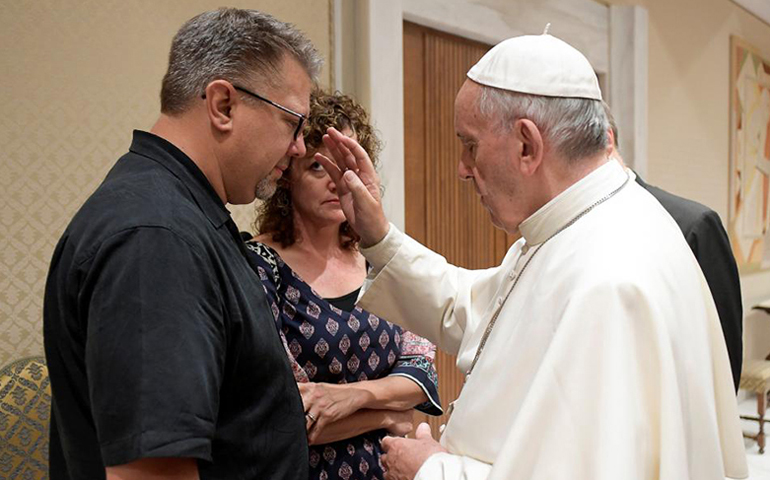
pixel 181 166
pixel 552 216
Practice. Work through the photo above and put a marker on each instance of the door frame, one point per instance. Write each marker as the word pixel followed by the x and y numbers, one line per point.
pixel 614 38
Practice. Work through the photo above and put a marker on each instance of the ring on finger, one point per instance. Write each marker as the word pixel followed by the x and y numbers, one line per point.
pixel 310 416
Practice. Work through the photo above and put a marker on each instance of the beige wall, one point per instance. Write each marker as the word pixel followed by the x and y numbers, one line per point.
pixel 689 85
pixel 77 78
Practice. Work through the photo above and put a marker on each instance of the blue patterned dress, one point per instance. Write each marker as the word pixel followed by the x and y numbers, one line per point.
pixel 327 344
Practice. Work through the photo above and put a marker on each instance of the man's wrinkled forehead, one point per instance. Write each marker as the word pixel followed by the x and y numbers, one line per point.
pixel 466 101
pixel 468 118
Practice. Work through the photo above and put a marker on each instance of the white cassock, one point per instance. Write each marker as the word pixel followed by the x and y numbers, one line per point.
pixel 607 361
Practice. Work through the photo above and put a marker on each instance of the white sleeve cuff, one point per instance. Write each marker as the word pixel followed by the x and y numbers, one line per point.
pixel 379 254
pixel 445 466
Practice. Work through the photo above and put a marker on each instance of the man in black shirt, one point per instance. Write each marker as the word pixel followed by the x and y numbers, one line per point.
pixel 162 351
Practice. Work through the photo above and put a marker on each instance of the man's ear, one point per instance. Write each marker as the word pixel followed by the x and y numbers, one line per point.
pixel 220 100
pixel 611 138
pixel 531 145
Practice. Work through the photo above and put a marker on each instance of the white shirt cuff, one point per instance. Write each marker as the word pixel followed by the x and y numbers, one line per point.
pixel 379 254
pixel 445 466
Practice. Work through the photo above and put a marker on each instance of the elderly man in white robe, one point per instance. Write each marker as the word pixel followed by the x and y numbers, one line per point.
pixel 593 351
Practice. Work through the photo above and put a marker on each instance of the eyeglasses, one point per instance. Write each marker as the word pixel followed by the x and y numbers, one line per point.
pixel 301 118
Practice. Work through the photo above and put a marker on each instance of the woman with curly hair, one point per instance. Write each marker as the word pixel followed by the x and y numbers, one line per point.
pixel 360 376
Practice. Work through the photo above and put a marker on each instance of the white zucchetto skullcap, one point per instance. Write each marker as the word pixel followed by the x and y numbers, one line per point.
pixel 537 65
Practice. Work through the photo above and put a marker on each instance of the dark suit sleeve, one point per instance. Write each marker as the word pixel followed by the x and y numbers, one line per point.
pixel 711 246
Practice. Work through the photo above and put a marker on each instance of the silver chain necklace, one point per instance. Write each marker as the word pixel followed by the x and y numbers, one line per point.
pixel 491 324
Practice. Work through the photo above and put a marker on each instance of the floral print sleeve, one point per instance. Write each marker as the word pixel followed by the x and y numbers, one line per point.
pixel 417 364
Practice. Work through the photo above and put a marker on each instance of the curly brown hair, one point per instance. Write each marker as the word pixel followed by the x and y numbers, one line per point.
pixel 276 215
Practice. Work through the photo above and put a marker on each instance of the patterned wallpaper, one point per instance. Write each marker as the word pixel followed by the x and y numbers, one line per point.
pixel 77 78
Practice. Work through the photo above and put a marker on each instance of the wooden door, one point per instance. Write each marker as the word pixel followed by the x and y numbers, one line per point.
pixel 442 212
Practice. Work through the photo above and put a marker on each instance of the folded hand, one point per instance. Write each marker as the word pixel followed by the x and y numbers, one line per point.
pixel 326 403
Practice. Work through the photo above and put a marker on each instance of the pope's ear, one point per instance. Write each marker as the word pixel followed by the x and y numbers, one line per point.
pixel 531 145
pixel 220 101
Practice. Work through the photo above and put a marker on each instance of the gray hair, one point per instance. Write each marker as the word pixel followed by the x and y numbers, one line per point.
pixel 234 45
pixel 575 127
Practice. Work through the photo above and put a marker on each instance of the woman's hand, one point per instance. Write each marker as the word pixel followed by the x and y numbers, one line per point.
pixel 396 422
pixel 336 412
pixel 399 423
pixel 327 403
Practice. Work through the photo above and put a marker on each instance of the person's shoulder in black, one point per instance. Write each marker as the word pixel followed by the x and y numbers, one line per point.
pixel 688 214
pixel 708 240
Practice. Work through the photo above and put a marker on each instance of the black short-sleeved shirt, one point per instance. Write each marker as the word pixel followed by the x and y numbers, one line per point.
pixel 158 337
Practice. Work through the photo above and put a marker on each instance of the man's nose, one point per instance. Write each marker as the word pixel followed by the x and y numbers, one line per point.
pixel 298 148
pixel 463 171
